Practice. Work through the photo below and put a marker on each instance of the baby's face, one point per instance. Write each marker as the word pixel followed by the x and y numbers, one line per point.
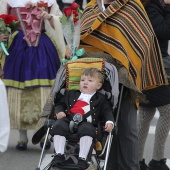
pixel 89 85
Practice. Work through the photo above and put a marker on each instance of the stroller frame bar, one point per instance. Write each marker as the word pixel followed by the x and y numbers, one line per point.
pixel 39 164
pixel 110 137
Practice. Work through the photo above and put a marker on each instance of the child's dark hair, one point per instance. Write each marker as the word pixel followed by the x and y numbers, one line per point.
pixel 93 72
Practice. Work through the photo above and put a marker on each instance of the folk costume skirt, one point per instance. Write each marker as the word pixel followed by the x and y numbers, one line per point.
pixel 29 73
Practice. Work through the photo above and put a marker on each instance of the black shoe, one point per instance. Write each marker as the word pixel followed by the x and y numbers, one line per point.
pixel 22 145
pixel 82 164
pixel 58 158
pixel 47 146
pixel 143 165
pixel 158 165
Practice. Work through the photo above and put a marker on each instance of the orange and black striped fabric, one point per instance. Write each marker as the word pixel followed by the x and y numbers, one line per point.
pixel 124 31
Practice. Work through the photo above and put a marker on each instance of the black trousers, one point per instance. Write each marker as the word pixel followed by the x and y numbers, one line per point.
pixel 124 148
pixel 61 127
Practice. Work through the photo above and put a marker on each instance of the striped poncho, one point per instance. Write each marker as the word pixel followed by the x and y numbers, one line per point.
pixel 124 31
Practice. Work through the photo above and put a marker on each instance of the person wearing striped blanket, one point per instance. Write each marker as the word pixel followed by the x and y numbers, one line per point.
pixel 122 30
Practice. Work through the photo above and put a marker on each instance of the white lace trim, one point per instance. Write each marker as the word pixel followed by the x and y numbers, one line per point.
pixel 22 3
pixel 3 9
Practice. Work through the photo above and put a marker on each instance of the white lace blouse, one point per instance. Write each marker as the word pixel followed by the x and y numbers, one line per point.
pixel 3 9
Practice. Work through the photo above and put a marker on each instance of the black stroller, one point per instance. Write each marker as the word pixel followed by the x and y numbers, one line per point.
pixel 68 78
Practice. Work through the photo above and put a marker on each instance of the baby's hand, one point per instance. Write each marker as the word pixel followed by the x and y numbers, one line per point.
pixel 60 115
pixel 108 127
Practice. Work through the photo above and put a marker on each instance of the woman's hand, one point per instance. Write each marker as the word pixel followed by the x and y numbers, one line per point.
pixel 3 37
pixel 45 15
pixel 60 115
pixel 68 54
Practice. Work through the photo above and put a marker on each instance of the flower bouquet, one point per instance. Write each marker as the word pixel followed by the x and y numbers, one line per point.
pixel 70 21
pixel 8 24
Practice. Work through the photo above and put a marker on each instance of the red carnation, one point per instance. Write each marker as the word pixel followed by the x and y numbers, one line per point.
pixel 3 16
pixel 75 19
pixel 14 18
pixel 10 24
pixel 75 13
pixel 67 11
pixel 8 19
pixel 74 6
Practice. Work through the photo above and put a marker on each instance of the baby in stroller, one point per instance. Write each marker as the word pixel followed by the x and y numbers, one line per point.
pixel 87 107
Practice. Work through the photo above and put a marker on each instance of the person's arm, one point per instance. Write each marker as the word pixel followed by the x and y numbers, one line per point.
pixel 54 29
pixel 107 114
pixel 160 19
pixel 107 111
pixel 61 106
pixel 47 16
pixel 4 119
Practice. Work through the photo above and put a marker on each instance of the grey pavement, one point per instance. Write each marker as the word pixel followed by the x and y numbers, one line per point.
pixel 13 159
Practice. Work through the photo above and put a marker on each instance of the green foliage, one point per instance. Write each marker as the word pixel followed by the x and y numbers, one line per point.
pixel 64 19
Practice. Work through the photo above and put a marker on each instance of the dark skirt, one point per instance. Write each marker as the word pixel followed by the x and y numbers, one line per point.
pixel 157 97
pixel 31 66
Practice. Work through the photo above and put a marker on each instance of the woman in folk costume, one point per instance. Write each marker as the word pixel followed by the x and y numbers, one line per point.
pixel 120 31
pixel 34 58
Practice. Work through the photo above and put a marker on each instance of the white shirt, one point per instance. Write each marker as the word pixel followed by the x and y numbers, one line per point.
pixel 4 119
pixel 86 98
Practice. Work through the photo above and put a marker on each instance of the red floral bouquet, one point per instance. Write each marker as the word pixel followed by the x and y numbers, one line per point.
pixel 73 12
pixel 70 21
pixel 8 24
